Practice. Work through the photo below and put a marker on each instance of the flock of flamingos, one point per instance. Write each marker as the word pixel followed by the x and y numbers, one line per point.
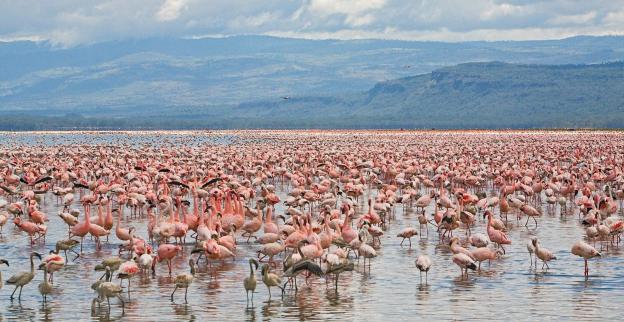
pixel 339 192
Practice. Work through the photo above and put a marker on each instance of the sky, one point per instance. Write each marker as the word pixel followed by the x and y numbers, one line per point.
pixel 73 22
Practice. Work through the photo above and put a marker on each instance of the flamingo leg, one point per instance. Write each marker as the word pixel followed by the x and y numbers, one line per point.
pixel 535 222
pixel 13 292
pixel 174 290
pixel 77 255
pixel 123 304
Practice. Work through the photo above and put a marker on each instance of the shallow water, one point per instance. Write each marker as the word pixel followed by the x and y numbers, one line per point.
pixel 504 290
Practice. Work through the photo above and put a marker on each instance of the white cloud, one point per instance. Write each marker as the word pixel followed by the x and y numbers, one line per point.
pixel 357 12
pixel 71 22
pixel 501 10
pixel 444 34
pixel 170 10
pixel 253 21
pixel 615 18
pixel 357 21
pixel 573 19
pixel 349 7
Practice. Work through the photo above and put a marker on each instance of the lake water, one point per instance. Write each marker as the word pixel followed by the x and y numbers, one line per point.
pixel 505 290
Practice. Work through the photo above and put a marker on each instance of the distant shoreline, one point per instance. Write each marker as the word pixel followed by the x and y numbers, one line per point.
pixel 308 131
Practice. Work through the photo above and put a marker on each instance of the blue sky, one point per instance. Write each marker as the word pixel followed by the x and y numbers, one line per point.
pixel 72 22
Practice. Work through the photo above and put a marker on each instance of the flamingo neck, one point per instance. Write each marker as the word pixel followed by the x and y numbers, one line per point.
pixel 269 214
pixel 87 215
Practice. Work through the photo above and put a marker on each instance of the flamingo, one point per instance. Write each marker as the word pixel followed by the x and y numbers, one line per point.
pixel 166 252
pixel 464 262
pixel 252 226
pixel 531 213
pixel 107 290
pixel 496 236
pixel 122 234
pixel 269 225
pixel 30 228
pixel 408 233
pixel 348 234
pixel 45 287
pixel 483 253
pixel 542 253
pixel 531 250
pixel 23 278
pixel 3 219
pixel 184 281
pixel 456 248
pixel 5 262
pixel 128 268
pixel 478 240
pixel 250 281
pixel 423 263
pixel 81 229
pixel 583 249
pixel 271 250
pixel 95 230
pixel 53 262
pixel 270 279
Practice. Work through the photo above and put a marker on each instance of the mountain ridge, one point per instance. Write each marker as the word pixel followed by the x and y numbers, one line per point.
pixel 239 81
pixel 226 71
pixel 472 95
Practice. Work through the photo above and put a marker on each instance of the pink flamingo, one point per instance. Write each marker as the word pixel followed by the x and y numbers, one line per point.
pixel 166 252
pixel 128 268
pixel 253 225
pixel 180 228
pixel 53 262
pixel 37 216
pixel 583 249
pixel 81 229
pixel 269 225
pixel 496 236
pixel 30 228
pixel 227 240
pixel 348 233
pixel 96 231
pixel 122 234
pixel 191 220
pixel 292 241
